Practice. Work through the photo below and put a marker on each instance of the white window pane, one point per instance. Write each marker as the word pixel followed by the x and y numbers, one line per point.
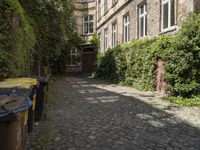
pixel 91 17
pixel 86 18
pixel 86 28
pixel 172 13
pixel 165 15
pixel 146 25
pixel 142 27
pixel 91 27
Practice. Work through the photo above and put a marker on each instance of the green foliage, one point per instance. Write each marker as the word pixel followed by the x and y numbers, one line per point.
pixel 193 101
pixel 51 21
pixel 131 64
pixel 134 63
pixel 16 40
pixel 95 41
pixel 181 55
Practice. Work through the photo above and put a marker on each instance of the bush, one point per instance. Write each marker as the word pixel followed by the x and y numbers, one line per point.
pixel 182 59
pixel 134 63
pixel 16 40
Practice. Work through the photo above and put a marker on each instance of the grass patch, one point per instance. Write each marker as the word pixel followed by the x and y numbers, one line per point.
pixel 194 101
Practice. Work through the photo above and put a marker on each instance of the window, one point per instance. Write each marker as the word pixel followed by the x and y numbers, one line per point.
pixel 88 24
pixel 126 28
pixel 106 39
pixel 105 6
pixel 114 2
pixel 168 13
pixel 142 20
pixel 102 7
pixel 73 57
pixel 99 37
pixel 74 23
pixel 114 34
pixel 99 9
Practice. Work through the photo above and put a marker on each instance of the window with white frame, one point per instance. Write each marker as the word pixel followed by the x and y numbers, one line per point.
pixel 99 9
pixel 102 7
pixel 168 14
pixel 105 6
pixel 126 28
pixel 106 39
pixel 88 24
pixel 114 34
pixel 142 20
pixel 74 55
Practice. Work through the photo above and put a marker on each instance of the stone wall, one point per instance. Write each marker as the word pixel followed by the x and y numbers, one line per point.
pixel 81 10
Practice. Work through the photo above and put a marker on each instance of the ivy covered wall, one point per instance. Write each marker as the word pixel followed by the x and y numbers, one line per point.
pixel 34 34
pixel 17 40
pixel 134 63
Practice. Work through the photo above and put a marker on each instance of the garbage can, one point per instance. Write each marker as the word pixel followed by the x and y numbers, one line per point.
pixel 20 86
pixel 41 98
pixel 13 122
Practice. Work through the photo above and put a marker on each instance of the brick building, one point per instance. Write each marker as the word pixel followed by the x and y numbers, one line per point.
pixel 119 21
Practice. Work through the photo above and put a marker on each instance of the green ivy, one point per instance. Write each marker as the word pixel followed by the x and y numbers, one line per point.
pixel 16 40
pixel 134 63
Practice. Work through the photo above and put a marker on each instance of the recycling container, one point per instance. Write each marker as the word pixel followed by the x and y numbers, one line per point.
pixel 22 86
pixel 13 122
pixel 41 98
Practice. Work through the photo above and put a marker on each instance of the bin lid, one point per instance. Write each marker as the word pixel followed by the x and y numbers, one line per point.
pixel 24 82
pixel 13 104
pixel 17 83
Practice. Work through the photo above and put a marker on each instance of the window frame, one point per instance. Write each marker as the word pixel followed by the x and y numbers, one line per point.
pixel 105 38
pixel 114 34
pixel 144 16
pixel 126 36
pixel 88 22
pixel 75 54
pixel 164 2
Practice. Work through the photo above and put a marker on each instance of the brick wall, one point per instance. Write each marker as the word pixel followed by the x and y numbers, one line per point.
pixel 116 13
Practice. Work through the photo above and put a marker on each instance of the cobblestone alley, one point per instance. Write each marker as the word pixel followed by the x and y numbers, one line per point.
pixel 87 114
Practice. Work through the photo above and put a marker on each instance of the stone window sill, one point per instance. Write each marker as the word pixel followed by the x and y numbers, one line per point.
pixel 170 29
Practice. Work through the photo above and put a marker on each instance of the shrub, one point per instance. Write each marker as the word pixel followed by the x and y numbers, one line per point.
pixel 134 63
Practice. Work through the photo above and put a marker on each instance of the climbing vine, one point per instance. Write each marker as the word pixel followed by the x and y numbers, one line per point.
pixel 134 63
pixel 16 41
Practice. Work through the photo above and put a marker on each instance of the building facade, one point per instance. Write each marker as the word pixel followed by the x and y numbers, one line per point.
pixel 119 21
pixel 85 18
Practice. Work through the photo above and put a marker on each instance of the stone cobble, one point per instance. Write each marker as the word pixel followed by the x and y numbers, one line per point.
pixel 92 115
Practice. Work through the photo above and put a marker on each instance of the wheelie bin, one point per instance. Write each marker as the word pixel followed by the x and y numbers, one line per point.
pixel 41 98
pixel 20 86
pixel 13 122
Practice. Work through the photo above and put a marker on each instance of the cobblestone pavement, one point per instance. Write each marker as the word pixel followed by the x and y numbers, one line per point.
pixel 92 115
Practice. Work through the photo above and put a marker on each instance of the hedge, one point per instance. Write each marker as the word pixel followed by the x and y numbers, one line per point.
pixel 134 63
pixel 16 40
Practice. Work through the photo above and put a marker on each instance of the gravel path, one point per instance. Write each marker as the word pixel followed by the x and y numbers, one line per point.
pixel 92 115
